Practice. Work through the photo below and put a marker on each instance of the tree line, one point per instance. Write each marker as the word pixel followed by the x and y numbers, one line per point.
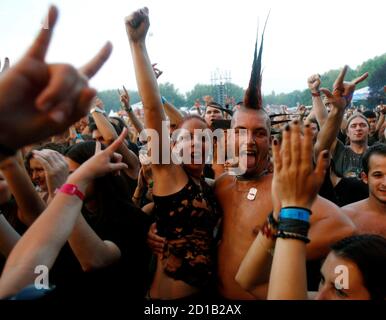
pixel 376 82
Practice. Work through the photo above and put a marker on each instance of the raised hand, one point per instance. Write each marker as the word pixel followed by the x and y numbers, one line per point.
pixel 103 162
pixel 137 25
pixel 295 181
pixel 314 83
pixel 99 103
pixel 342 91
pixel 5 66
pixel 38 99
pixel 124 97
pixel 157 71
pixel 207 99
pixel 55 168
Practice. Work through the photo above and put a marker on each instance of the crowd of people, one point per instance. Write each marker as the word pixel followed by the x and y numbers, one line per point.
pixel 104 205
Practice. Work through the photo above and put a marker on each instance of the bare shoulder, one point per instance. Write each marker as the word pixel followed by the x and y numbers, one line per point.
pixel 328 225
pixel 323 209
pixel 355 208
pixel 223 180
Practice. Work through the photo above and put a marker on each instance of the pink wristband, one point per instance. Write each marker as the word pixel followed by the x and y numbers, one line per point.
pixel 71 189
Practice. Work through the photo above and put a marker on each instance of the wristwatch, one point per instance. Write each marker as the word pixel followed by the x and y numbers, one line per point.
pixel 96 109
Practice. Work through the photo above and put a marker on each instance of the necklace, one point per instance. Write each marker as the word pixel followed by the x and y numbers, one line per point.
pixel 252 191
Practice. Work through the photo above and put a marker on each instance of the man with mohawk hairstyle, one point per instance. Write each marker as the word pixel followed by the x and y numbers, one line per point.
pixel 247 202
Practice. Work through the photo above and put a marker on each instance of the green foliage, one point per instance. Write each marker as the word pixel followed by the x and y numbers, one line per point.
pixel 198 92
pixel 111 101
pixel 172 94
pixel 376 68
pixel 376 82
pixel 235 91
pixel 377 74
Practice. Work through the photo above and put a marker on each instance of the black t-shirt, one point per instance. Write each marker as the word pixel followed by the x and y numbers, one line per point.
pixel 342 137
pixel 348 190
pixel 346 162
pixel 373 139
pixel 127 228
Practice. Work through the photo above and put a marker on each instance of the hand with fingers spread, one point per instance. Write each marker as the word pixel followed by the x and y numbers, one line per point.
pixel 137 25
pixel 55 168
pixel 5 66
pixel 38 99
pixel 295 181
pixel 103 162
pixel 157 71
pixel 342 91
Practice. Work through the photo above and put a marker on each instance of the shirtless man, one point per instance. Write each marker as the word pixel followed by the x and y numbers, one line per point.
pixel 246 209
pixel 369 215
pixel 244 213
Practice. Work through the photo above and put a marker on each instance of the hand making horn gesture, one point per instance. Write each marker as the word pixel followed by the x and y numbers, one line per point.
pixel 342 91
pixel 39 99
pixel 124 97
pixel 157 71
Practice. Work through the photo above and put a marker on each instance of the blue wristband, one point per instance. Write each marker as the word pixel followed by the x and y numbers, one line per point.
pixel 295 213
pixel 163 100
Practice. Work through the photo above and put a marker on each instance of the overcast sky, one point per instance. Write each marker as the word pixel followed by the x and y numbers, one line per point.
pixel 190 39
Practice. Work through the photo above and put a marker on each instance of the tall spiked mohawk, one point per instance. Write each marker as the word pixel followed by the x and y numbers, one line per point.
pixel 252 96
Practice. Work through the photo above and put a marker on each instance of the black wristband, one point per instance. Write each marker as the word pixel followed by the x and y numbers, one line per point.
pixel 288 235
pixel 294 226
pixel 272 221
pixel 6 151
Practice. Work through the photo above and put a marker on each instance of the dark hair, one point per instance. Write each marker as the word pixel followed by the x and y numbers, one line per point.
pixel 312 120
pixel 368 252
pixel 378 148
pixel 354 116
pixel 118 126
pixel 253 96
pixel 369 114
pixel 190 117
pixel 112 192
pixel 214 105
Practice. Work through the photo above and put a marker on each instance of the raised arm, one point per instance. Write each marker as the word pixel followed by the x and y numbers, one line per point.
pixel 381 118
pixel 174 115
pixel 30 205
pixel 41 243
pixel 339 99
pixel 124 97
pixel 137 25
pixel 8 237
pixel 296 183
pixel 109 134
pixel 255 268
pixel 318 107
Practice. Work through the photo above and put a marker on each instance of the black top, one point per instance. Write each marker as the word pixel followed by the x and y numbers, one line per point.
pixel 348 190
pixel 127 228
pixel 346 162
pixel 188 220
